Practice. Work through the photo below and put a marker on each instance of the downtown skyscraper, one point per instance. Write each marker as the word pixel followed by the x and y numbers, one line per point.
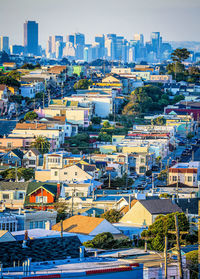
pixel 31 37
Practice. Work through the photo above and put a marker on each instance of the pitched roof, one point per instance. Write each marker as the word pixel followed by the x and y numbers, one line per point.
pixel 79 224
pixel 34 150
pixel 50 187
pixel 57 69
pixel 125 208
pixel 31 126
pixel 189 206
pixel 13 186
pixel 2 233
pixel 162 206
pixel 18 153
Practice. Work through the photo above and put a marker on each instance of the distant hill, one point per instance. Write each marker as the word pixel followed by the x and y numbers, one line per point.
pixel 190 45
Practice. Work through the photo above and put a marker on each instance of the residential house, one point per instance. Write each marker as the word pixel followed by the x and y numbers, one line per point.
pixel 42 195
pixel 6 236
pixel 144 212
pixel 67 174
pixel 26 129
pixel 58 73
pixel 12 194
pixel 8 143
pixel 8 222
pixel 185 174
pixel 13 158
pixel 3 99
pixel 32 158
pixel 9 65
pixel 86 225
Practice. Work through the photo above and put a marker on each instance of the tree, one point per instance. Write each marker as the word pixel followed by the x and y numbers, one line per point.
pixel 31 115
pixel 106 124
pixel 178 98
pixel 20 173
pixel 159 229
pixel 106 241
pixel 96 120
pixel 192 263
pixel 163 175
pixel 61 209
pixel 160 120
pixel 82 84
pixel 103 136
pixel 9 81
pixel 180 54
pixel 28 66
pixel 42 144
pixel 112 215
pixel 14 74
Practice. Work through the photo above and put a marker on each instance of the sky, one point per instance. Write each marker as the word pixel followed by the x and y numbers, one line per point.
pixel 177 20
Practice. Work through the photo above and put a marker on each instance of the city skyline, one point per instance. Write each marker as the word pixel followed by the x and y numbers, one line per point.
pixel 63 18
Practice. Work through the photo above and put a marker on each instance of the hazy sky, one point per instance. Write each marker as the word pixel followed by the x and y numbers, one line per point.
pixel 175 19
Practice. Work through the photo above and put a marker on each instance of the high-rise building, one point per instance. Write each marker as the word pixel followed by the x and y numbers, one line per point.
pixel 31 37
pixel 79 43
pixel 16 49
pixel 139 38
pixel 4 44
pixel 111 46
pixel 156 41
pixel 55 39
pixel 70 39
pixel 49 47
pixel 100 39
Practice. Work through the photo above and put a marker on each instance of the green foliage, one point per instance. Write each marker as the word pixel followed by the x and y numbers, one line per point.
pixel 163 175
pixel 112 215
pixel 190 136
pixel 96 120
pixel 9 81
pixel 28 66
pixel 103 136
pixel 39 96
pixel 106 124
pixel 121 182
pixel 14 74
pixel 165 195
pixel 180 54
pixel 42 144
pixel 145 99
pixel 31 115
pixel 24 173
pixel 82 84
pixel 157 231
pixel 61 209
pixel 192 263
pixel 107 241
pixel 160 120
pixel 78 143
pixel 178 98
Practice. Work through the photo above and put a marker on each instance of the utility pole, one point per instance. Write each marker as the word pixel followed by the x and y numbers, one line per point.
pixel 43 100
pixel 178 247
pixel 109 180
pixel 165 255
pixel 61 228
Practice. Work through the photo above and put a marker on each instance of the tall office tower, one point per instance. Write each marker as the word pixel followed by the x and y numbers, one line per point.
pixel 31 37
pixel 69 51
pixel 54 40
pixel 139 38
pixel 119 47
pixel 4 44
pixel 111 46
pixel 49 47
pixel 70 39
pixel 79 43
pixel 59 49
pixel 87 53
pixel 156 41
pixel 100 39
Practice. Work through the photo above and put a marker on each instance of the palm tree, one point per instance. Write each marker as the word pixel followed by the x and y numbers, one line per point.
pixel 41 144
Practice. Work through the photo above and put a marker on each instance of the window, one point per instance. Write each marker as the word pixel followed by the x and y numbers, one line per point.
pixel 189 178
pixel 142 160
pixel 40 199
pixel 21 196
pixel 36 224
pixel 56 173
pixel 174 178
pixel 6 196
pixel 75 173
pixel 65 173
pixel 9 144
pixel 142 169
pixel 31 162
pixel 41 224
pixel 31 225
pixel 29 154
pixel 194 179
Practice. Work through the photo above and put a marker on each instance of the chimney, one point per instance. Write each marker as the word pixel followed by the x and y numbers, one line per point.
pixel 58 190
pixel 82 166
pixel 20 211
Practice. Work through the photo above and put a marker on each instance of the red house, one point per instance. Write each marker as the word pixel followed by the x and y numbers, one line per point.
pixel 42 195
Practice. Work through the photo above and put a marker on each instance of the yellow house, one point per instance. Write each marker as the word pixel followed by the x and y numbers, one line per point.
pixel 144 212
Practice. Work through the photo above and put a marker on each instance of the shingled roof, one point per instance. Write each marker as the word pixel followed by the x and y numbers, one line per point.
pixel 13 186
pixel 162 206
pixel 79 224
